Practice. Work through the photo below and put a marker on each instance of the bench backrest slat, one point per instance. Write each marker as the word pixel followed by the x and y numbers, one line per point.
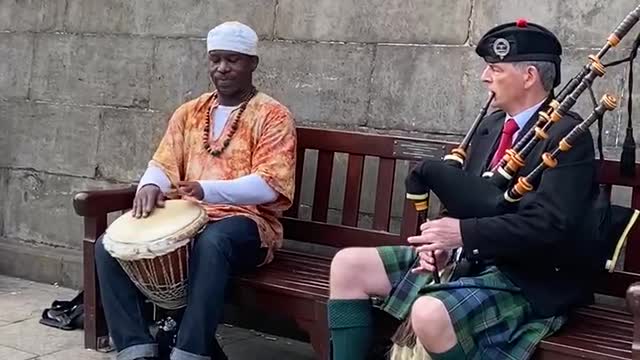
pixel 346 142
pixel 322 188
pixel 295 206
pixel 353 188
pixel 384 194
pixel 335 235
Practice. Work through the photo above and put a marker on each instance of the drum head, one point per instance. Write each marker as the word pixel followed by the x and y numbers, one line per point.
pixel 163 231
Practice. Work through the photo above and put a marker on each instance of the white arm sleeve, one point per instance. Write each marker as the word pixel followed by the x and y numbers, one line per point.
pixel 155 175
pixel 246 190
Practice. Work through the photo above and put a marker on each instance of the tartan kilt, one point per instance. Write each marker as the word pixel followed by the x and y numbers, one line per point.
pixel 491 317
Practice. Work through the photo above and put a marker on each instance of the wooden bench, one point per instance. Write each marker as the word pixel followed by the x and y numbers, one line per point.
pixel 295 285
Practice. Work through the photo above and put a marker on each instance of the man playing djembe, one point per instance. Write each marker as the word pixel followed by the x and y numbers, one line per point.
pixel 234 151
pixel 519 286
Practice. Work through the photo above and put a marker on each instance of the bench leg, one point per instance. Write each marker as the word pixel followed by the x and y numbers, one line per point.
pixel 633 303
pixel 318 330
pixel 319 336
pixel 96 335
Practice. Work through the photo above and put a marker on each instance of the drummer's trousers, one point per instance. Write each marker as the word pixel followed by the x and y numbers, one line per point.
pixel 223 248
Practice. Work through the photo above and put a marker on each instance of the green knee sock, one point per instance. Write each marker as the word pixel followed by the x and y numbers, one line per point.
pixel 455 353
pixel 351 326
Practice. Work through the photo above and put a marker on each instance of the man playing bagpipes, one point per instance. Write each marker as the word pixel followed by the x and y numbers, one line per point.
pixel 524 267
pixel 233 152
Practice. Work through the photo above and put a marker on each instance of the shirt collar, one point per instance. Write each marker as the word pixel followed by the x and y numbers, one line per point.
pixel 523 117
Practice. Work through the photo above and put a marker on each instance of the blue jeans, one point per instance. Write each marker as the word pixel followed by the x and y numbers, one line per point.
pixel 224 247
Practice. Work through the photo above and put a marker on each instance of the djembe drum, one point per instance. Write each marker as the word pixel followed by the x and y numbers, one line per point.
pixel 154 251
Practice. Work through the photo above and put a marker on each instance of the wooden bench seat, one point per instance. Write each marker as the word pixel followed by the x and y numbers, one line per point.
pixel 296 283
pixel 593 332
pixel 305 274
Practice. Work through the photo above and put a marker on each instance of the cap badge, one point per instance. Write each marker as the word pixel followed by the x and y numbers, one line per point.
pixel 501 47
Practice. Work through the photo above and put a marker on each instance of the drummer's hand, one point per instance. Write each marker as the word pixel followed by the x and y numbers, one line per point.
pixel 191 188
pixel 148 197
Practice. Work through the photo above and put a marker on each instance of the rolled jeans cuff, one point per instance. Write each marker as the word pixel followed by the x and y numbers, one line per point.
pixel 138 351
pixel 177 354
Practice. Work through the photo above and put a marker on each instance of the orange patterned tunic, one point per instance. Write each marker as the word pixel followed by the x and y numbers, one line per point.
pixel 264 144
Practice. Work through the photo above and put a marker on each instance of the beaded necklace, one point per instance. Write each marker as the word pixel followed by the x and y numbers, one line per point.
pixel 234 124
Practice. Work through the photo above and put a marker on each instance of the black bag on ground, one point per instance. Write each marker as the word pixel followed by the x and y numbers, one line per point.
pixel 65 315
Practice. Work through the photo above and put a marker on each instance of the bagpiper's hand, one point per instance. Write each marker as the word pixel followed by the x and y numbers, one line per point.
pixel 191 189
pixel 427 261
pixel 440 234
pixel 147 198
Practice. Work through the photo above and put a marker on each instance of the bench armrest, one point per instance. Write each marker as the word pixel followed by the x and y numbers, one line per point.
pixel 100 202
pixel 633 303
pixel 94 206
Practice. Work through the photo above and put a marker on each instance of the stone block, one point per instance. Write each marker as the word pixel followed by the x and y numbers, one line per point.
pixel 14 285
pixel 31 15
pixel 128 139
pixel 15 70
pixel 308 177
pixel 39 208
pixel 369 184
pixel 614 83
pixel 399 190
pixel 395 21
pixel 48 264
pixel 573 61
pixel 618 121
pixel 621 195
pixel 180 72
pixel 338 181
pixel 422 89
pixel 583 24
pixel 105 70
pixel 623 115
pixel 322 83
pixel 53 138
pixel 4 190
pixel 167 18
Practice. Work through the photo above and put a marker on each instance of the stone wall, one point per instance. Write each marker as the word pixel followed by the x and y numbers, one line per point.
pixel 86 87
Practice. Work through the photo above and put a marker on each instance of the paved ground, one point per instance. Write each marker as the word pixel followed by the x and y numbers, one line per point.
pixel 23 338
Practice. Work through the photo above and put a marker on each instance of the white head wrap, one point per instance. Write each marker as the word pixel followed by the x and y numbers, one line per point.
pixel 233 36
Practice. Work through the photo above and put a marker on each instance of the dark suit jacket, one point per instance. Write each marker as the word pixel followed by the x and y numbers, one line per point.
pixel 533 245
